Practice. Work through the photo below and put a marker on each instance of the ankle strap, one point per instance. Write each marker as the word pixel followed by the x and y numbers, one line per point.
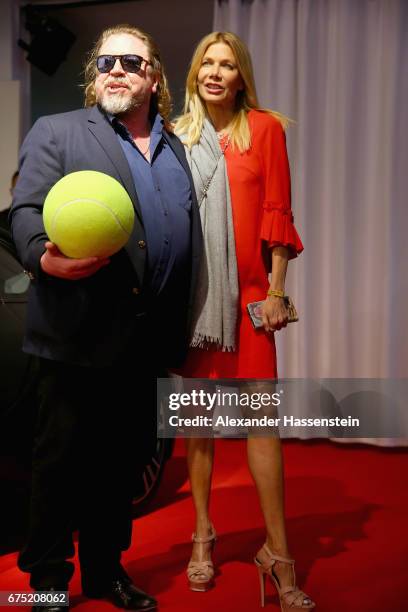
pixel 277 557
pixel 199 540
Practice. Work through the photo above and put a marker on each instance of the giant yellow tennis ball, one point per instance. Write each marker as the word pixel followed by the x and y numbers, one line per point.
pixel 88 214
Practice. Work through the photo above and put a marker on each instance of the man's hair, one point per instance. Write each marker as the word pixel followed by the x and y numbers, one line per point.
pixel 161 100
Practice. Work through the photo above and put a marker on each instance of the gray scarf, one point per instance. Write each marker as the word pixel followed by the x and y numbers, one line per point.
pixel 216 302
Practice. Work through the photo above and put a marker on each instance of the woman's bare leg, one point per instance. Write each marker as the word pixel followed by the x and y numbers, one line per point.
pixel 266 465
pixel 200 458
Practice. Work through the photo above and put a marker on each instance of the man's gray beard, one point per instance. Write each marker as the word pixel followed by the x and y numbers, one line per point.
pixel 118 105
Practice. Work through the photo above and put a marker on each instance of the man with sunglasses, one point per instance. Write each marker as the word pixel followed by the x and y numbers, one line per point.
pixel 103 329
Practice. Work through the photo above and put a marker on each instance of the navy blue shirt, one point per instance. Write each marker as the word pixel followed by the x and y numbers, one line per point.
pixel 164 194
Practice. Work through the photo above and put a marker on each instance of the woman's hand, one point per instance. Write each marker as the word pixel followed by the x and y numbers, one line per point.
pixel 53 262
pixel 274 313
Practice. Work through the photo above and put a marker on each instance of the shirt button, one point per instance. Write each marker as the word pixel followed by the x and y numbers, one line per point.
pixel 136 290
pixel 29 274
pixel 142 244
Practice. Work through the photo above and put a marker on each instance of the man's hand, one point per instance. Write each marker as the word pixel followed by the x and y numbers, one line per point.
pixel 53 262
pixel 274 314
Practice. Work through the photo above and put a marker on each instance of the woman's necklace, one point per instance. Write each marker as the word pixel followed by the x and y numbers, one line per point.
pixel 221 135
pixel 223 148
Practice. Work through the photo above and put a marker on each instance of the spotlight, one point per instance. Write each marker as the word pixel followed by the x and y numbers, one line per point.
pixel 50 41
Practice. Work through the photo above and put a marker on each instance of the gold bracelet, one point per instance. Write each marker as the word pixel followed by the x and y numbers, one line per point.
pixel 276 293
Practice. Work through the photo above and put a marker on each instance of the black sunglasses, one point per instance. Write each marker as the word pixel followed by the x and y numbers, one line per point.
pixel 130 63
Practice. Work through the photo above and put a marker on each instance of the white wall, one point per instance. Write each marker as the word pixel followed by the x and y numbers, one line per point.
pixel 14 78
pixel 9 141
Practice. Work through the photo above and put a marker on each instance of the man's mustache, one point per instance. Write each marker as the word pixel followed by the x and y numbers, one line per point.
pixel 119 81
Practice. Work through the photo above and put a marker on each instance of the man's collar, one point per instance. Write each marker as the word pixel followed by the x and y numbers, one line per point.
pixel 157 124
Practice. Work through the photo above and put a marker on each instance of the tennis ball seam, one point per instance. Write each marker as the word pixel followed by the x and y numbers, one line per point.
pixel 59 210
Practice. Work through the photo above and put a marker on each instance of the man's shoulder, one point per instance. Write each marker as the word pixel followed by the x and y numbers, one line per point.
pixel 70 117
pixel 62 127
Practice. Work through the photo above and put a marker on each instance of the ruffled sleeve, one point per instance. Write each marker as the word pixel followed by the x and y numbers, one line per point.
pixel 277 228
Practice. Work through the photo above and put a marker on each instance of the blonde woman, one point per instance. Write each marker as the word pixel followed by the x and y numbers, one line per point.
pixel 239 163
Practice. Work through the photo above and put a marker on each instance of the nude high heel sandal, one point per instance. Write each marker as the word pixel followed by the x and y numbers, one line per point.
pixel 291 598
pixel 200 574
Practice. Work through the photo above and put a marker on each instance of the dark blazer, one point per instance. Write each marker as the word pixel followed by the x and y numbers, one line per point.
pixel 89 321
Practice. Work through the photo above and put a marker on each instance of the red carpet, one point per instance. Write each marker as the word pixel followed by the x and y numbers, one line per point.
pixel 347 525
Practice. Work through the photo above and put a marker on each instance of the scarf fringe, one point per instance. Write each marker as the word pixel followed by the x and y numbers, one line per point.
pixel 206 342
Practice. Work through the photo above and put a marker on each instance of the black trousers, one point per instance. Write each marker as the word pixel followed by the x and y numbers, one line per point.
pixel 85 461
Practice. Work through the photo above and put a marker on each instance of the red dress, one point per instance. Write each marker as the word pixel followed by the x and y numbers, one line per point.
pixel 260 194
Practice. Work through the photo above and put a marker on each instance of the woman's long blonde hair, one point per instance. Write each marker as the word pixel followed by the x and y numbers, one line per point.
pixel 161 100
pixel 190 123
